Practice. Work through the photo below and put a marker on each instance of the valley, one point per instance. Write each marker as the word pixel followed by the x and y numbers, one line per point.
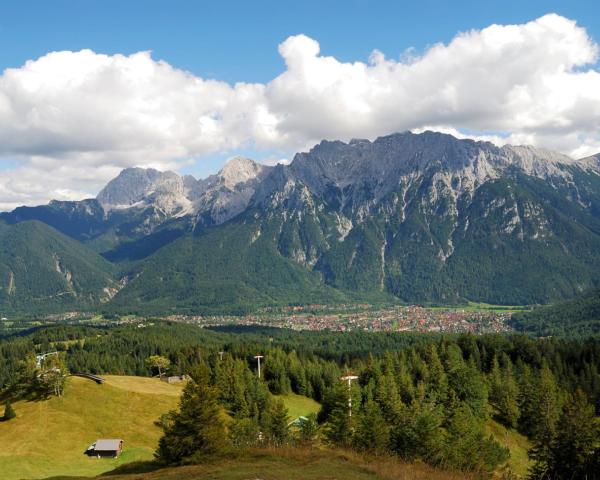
pixel 299 240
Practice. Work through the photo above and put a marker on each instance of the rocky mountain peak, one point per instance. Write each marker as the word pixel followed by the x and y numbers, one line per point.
pixel 134 185
pixel 239 170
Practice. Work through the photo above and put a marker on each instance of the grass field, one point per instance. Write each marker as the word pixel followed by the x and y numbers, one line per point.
pixel 49 438
pixel 298 405
pixel 518 445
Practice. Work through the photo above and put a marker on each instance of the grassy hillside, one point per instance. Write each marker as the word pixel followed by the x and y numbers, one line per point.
pixel 518 445
pixel 49 438
pixel 294 464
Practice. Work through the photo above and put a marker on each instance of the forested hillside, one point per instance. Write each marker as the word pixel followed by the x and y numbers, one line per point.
pixel 43 270
pixel 419 397
pixel 578 317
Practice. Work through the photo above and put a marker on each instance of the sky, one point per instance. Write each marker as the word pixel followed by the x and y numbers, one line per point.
pixel 88 88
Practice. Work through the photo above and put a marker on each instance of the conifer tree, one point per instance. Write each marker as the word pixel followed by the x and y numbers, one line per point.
pixel 526 400
pixel 340 424
pixel 577 441
pixel 340 427
pixel 504 393
pixel 544 426
pixel 245 432
pixel 308 428
pixel 417 433
pixel 275 423
pixel 197 430
pixel 372 431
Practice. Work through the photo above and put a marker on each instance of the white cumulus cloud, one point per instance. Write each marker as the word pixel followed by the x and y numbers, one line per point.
pixel 69 121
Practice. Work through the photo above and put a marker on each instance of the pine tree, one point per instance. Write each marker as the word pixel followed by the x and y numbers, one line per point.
pixel 308 428
pixel 9 412
pixel 372 432
pixel 437 382
pixel 466 447
pixel 577 441
pixel 340 427
pixel 417 433
pixel 544 426
pixel 504 393
pixel 197 430
pixel 526 400
pixel 245 432
pixel 275 423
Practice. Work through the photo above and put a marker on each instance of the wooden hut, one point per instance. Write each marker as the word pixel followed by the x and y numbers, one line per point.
pixel 105 447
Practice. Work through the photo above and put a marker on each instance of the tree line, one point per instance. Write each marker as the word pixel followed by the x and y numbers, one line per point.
pixel 420 397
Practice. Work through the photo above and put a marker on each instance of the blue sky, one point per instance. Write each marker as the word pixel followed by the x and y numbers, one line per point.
pixel 70 121
pixel 237 40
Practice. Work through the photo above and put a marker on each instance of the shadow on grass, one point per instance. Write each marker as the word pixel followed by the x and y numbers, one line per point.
pixel 128 468
pixel 134 467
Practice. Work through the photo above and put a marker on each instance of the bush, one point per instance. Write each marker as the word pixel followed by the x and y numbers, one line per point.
pixel 9 412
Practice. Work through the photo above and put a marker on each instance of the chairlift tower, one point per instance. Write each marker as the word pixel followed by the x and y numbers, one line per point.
pixel 258 357
pixel 221 355
pixel 349 379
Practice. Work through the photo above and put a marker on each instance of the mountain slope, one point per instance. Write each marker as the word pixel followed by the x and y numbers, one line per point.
pixel 230 268
pixel 142 210
pixel 432 218
pixel 579 316
pixel 43 270
pixel 416 217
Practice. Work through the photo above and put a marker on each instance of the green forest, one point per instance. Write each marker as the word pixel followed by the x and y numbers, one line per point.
pixel 577 317
pixel 419 397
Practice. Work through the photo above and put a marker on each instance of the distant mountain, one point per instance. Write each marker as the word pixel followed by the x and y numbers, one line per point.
pixel 142 210
pixel 413 217
pixel 43 270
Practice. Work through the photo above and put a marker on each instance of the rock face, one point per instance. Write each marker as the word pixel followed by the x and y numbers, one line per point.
pixel 430 217
pixel 138 187
pixel 419 217
pixel 213 200
pixel 228 193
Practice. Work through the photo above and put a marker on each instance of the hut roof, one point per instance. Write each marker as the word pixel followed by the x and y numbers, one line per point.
pixel 108 444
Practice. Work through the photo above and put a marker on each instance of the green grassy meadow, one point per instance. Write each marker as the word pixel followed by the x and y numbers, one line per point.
pixel 298 405
pixel 518 445
pixel 49 438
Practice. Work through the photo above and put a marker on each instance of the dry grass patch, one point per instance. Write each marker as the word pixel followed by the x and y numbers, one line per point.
pixel 299 464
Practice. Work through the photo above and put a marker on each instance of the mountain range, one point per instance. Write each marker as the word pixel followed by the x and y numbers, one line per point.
pixel 425 218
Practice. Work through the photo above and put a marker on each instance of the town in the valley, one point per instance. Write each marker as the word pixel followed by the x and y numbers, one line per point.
pixel 365 317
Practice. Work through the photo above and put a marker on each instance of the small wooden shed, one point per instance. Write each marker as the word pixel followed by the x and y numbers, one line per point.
pixel 105 447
